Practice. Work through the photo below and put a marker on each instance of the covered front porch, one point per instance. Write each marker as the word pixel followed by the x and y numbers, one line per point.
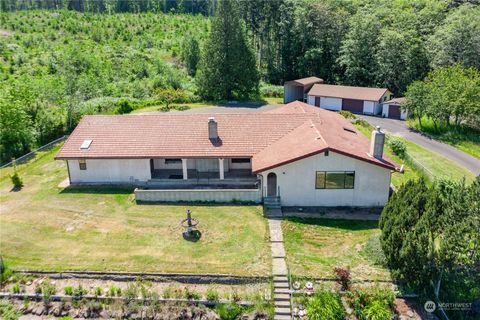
pixel 202 173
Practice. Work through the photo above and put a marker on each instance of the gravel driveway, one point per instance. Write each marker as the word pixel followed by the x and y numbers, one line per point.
pixel 400 128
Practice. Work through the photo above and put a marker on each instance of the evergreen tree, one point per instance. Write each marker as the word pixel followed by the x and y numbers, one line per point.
pixel 191 54
pixel 357 55
pixel 227 66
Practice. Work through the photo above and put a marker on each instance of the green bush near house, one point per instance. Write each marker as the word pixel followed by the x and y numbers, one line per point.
pixel 325 305
pixel 398 147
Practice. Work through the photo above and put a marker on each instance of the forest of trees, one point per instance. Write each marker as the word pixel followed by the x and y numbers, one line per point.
pixel 61 59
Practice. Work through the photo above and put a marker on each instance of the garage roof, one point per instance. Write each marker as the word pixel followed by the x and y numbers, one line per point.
pixel 396 101
pixel 305 81
pixel 347 92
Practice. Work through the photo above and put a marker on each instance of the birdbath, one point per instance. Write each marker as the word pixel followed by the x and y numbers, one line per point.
pixel 190 224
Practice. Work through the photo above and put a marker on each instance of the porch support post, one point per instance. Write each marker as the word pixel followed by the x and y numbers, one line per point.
pixel 221 169
pixel 184 169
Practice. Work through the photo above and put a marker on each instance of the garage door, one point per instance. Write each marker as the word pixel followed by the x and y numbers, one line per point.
pixel 394 112
pixel 355 106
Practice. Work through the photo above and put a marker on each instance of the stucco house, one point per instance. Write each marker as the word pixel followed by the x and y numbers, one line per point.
pixel 296 154
pixel 392 109
pixel 354 99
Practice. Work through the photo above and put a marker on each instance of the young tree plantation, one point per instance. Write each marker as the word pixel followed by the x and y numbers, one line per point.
pixel 62 59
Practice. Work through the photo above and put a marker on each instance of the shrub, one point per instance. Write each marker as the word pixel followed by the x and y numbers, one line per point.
pixel 68 291
pixel 131 292
pixel 79 291
pixel 398 147
pixel 5 272
pixel 212 294
pixel 270 90
pixel 98 291
pixel 48 289
pixel 228 311
pixel 343 277
pixel 16 180
pixel 16 288
pixel 168 292
pixel 192 294
pixel 377 311
pixel 8 311
pixel 325 305
pixel 124 106
pixel 15 177
pixel 367 301
pixel 114 291
pixel 347 114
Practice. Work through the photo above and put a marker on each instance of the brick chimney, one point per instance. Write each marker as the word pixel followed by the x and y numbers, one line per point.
pixel 377 142
pixel 212 129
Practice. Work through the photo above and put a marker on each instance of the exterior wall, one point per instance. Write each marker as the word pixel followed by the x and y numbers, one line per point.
pixel 292 93
pixel 386 108
pixel 297 182
pixel 368 107
pixel 210 195
pixel 110 171
pixel 311 100
pixel 334 104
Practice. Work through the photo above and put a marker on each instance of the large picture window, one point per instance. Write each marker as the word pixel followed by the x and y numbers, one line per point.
pixel 335 180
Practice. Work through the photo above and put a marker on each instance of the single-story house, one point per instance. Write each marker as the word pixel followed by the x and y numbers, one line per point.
pixel 353 99
pixel 298 89
pixel 297 154
pixel 392 109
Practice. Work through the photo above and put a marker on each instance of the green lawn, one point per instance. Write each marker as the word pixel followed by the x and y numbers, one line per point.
pixel 465 139
pixel 44 227
pixel 437 166
pixel 316 246
pixel 397 178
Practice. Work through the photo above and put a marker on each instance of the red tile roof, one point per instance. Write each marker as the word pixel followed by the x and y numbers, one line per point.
pixel 271 138
pixel 347 92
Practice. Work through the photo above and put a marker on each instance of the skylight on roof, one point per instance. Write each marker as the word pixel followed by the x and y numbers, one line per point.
pixel 86 144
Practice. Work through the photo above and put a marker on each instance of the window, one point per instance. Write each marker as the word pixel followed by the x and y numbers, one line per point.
pixel 82 164
pixel 335 180
pixel 172 161
pixel 240 160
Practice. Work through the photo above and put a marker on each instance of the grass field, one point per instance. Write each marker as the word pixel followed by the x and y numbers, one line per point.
pixel 437 166
pixel 465 139
pixel 44 227
pixel 316 246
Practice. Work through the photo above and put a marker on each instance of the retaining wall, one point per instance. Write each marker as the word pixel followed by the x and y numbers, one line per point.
pixel 199 195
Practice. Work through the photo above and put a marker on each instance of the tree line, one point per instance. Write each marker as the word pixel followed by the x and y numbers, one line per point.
pixel 205 7
pixel 57 65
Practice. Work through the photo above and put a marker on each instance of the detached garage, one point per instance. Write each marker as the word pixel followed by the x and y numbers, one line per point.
pixel 353 99
pixel 392 109
pixel 298 89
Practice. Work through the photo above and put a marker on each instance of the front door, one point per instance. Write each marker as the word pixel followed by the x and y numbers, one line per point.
pixel 271 184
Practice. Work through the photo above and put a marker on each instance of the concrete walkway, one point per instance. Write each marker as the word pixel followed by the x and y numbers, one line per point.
pixel 400 128
pixel 281 285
